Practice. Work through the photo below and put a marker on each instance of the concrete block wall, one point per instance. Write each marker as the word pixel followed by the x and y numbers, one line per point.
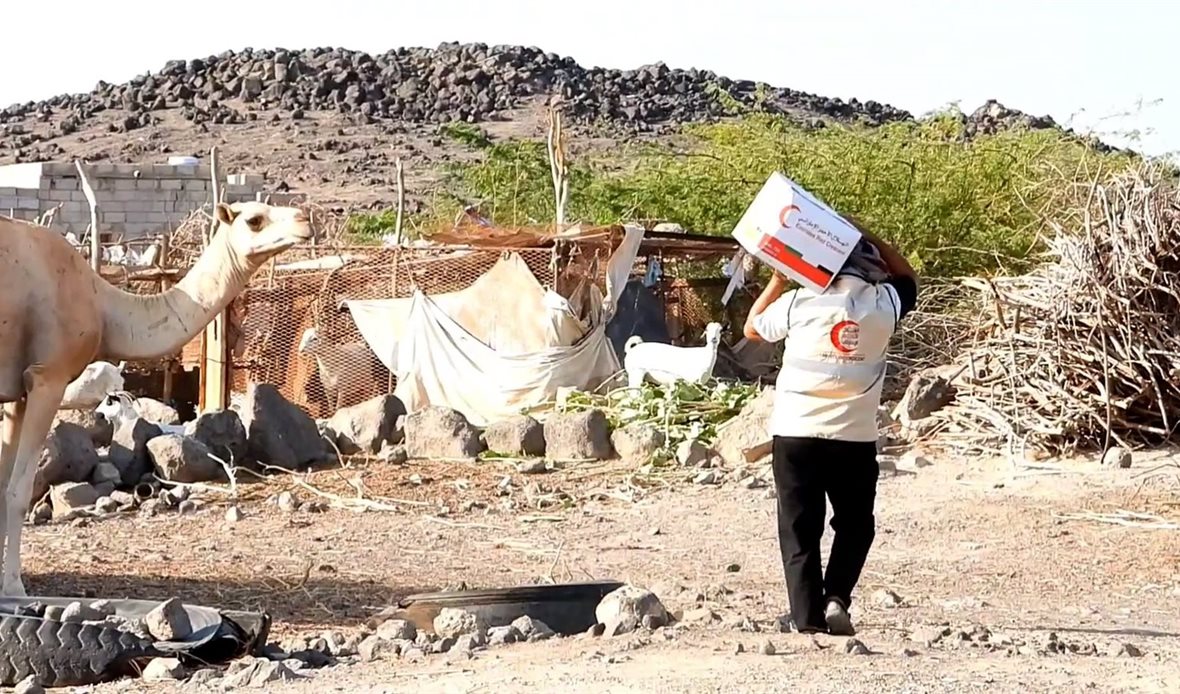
pixel 134 200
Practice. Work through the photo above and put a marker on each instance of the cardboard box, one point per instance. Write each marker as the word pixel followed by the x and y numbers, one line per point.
pixel 793 232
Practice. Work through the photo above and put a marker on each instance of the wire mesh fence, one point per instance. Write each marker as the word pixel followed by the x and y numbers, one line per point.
pixel 292 332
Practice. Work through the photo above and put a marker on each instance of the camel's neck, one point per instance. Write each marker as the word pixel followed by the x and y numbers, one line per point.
pixel 158 325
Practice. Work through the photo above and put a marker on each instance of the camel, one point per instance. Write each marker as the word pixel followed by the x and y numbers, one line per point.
pixel 57 316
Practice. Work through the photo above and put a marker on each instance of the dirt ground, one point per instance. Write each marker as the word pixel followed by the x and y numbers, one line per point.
pixel 971 546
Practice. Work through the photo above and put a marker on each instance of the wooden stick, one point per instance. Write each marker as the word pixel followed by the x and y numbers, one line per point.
pixel 92 200
pixel 216 179
pixel 401 200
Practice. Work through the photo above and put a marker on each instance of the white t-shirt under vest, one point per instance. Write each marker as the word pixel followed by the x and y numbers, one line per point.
pixel 833 358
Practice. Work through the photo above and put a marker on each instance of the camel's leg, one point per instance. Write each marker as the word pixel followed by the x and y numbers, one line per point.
pixel 9 440
pixel 41 402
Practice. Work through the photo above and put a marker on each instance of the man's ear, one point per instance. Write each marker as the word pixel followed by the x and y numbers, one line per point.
pixel 225 214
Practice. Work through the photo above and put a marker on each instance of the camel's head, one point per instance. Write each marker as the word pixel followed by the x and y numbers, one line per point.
pixel 258 231
pixel 307 343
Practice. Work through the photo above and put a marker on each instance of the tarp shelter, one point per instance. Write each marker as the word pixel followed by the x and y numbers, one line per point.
pixel 503 345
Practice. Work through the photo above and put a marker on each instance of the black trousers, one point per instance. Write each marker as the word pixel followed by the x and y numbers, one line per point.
pixel 805 469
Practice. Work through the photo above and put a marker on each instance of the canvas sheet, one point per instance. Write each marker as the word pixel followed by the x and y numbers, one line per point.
pixel 501 346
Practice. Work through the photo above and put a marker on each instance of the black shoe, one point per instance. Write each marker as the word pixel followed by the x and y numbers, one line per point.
pixel 839 623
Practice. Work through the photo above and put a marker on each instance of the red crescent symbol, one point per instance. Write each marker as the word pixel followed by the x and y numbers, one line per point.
pixel 782 216
pixel 835 335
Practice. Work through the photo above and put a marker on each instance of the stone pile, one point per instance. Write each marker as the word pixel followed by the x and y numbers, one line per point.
pixel 454 82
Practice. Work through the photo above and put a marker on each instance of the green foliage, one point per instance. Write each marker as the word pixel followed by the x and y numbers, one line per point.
pixel 954 206
pixel 369 227
pixel 682 411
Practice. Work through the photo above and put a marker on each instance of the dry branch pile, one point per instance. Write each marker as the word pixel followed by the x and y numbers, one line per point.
pixel 1084 352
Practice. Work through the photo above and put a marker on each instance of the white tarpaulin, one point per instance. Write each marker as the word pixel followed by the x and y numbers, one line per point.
pixel 503 345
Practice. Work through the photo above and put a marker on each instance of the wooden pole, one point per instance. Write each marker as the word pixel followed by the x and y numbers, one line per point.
pixel 92 199
pixel 401 200
pixel 214 352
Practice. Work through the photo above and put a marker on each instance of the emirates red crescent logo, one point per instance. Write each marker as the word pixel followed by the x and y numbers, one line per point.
pixel 846 336
pixel 784 216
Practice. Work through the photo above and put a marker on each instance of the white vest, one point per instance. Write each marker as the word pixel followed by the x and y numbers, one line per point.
pixel 836 341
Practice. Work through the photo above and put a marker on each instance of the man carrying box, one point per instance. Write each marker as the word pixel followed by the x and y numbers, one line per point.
pixel 824 422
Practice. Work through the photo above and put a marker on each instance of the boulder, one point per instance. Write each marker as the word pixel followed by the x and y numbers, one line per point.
pixel 98 427
pixel 156 411
pixel 452 623
pixel 68 456
pixel 520 435
pixel 367 426
pixel 1117 457
pixel 744 439
pixel 928 392
pixel 625 609
pixel 637 443
pixel 68 497
pixel 183 459
pixel 222 433
pixel 278 433
pixel 106 473
pixel 440 432
pixel 128 450
pixel 692 453
pixel 578 435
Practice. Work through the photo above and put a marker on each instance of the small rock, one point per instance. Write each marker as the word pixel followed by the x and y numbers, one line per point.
pixel 443 645
pixel 78 612
pixel 124 499
pixel 469 642
pixel 440 432
pixel 205 676
pixel 366 427
pixel 183 459
pixel 287 502
pixel 929 636
pixel 454 622
pixel 233 514
pixel 706 477
pixel 29 685
pixel 103 608
pixel 700 614
pixel 397 630
pixel 915 461
pixel 187 507
pixel 257 674
pixel 533 467
pixel 652 622
pixel 106 505
pixel 533 629
pixel 886 598
pixel 42 512
pixel 163 669
pixel 855 647
pixel 623 610
pixel 578 435
pixel 414 655
pixel 374 647
pixel 637 443
pixel 54 613
pixel 597 629
pixel 733 568
pixel 907 653
pixel 1117 457
pixel 767 648
pixel 753 482
pixel 519 435
pixel 169 621
pixel 1130 650
pixel 500 636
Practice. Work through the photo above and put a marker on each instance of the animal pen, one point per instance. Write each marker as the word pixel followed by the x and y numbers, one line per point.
pixel 308 287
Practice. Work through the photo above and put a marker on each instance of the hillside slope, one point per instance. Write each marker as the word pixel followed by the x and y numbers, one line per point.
pixel 331 121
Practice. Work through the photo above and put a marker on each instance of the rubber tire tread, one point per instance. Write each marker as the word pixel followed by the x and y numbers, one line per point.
pixel 66 654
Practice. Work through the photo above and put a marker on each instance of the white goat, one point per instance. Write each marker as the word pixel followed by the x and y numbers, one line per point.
pixel 664 363
pixel 120 407
pixel 344 369
pixel 96 381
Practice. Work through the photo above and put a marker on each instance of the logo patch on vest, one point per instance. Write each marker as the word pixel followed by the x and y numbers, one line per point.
pixel 846 336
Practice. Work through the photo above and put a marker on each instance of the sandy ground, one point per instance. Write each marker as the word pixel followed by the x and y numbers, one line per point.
pixel 968 546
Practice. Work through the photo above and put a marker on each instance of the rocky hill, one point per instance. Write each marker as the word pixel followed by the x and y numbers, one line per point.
pixel 332 120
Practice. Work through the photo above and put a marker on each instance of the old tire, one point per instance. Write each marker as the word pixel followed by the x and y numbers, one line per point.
pixel 64 654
